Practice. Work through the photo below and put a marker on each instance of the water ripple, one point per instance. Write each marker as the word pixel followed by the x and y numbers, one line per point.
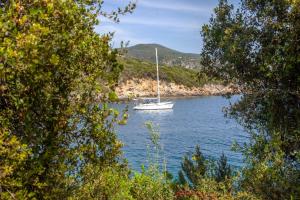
pixel 193 121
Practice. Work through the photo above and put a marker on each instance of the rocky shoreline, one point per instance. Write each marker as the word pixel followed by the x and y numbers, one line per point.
pixel 148 88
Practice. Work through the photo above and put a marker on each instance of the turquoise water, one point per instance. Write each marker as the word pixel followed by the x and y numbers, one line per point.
pixel 192 121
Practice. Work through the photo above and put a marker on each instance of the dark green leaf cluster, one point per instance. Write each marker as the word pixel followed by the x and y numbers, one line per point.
pixel 206 178
pixel 223 170
pixel 257 47
pixel 198 167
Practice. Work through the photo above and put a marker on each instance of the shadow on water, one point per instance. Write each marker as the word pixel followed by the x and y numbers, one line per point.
pixel 154 113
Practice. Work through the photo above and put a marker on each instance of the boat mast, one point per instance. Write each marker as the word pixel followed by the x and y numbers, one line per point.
pixel 157 75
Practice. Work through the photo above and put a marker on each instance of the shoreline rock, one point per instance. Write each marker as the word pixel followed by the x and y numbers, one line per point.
pixel 148 88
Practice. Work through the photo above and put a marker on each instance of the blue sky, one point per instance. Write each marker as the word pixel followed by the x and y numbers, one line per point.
pixel 172 23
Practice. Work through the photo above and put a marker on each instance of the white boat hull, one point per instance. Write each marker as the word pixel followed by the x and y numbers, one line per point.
pixel 154 106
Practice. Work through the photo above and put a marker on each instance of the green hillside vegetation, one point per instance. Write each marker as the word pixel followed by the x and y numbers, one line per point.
pixel 167 56
pixel 146 51
pixel 134 68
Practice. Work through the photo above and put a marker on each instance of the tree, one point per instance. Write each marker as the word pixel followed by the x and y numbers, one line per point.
pixel 57 77
pixel 223 170
pixel 193 169
pixel 205 178
pixel 257 48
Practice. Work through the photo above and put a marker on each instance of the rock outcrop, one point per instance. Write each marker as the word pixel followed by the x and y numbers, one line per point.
pixel 148 88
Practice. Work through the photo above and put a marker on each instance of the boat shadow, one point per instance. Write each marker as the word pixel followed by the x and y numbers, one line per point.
pixel 156 112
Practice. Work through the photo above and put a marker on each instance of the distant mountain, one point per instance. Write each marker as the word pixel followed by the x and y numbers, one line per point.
pixel 166 55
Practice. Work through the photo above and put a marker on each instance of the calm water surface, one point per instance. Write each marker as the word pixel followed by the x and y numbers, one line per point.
pixel 192 121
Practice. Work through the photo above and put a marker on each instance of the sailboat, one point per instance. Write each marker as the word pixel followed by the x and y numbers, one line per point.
pixel 154 103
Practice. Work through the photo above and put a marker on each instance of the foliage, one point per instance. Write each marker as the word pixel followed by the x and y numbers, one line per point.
pixel 193 169
pixel 197 167
pixel 272 174
pixel 117 183
pixel 152 185
pixel 223 170
pixel 213 191
pixel 202 178
pixel 12 157
pixel 110 183
pixel 153 182
pixel 55 71
pixel 155 151
pixel 257 47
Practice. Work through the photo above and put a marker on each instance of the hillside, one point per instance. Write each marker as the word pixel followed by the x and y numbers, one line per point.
pixel 166 55
pixel 138 79
pixel 134 68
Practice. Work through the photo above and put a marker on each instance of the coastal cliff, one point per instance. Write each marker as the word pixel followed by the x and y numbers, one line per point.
pixel 148 88
pixel 138 79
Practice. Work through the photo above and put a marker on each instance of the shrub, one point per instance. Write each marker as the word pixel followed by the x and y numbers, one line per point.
pixel 111 183
pixel 151 185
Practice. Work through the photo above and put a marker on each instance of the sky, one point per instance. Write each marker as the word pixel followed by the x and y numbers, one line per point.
pixel 172 23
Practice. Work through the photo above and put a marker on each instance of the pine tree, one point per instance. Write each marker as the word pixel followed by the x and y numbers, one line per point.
pixel 193 168
pixel 223 170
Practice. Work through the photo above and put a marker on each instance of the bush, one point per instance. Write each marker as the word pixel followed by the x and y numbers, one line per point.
pixel 55 72
pixel 111 183
pixel 114 183
pixel 203 178
pixel 151 185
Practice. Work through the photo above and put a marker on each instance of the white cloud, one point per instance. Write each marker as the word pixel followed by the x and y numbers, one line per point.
pixel 110 28
pixel 167 23
pixel 121 35
pixel 175 6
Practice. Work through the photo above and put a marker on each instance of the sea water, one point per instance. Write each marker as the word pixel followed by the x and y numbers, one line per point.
pixel 191 122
